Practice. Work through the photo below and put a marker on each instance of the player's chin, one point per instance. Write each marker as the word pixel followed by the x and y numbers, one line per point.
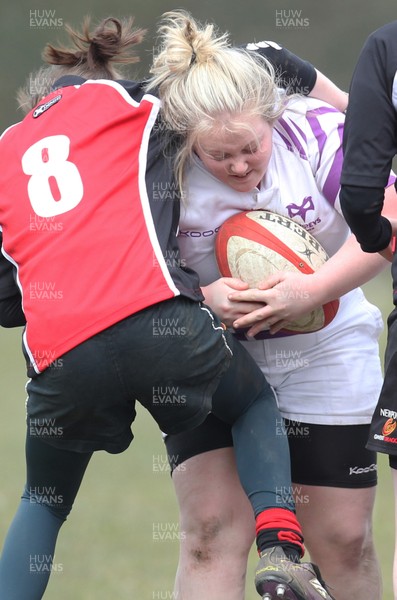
pixel 242 184
pixel 246 183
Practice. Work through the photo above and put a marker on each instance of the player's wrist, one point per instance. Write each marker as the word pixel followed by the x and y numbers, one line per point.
pixel 318 290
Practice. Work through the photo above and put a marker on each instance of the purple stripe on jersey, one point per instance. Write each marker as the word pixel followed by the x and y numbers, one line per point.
pixel 285 140
pixel 319 133
pixel 300 131
pixel 332 183
pixel 293 138
pixel 322 110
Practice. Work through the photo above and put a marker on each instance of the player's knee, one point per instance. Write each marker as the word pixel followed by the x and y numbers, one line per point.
pixel 350 544
pixel 212 535
pixel 205 538
pixel 49 499
pixel 355 544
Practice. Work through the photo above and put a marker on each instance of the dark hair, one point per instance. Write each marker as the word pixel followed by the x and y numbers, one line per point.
pixel 91 55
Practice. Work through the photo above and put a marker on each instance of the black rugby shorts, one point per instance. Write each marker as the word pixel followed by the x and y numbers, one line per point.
pixel 170 357
pixel 325 455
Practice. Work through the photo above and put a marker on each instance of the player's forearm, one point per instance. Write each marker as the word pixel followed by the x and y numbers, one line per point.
pixel 349 268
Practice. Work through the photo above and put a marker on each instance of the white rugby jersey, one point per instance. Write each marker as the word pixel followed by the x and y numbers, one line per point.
pixel 301 182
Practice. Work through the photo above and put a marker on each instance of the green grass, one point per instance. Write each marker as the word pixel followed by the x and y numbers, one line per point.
pixel 108 549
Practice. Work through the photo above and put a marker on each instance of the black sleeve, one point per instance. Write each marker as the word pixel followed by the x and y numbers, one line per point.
pixel 11 313
pixel 370 134
pixel 296 75
pixel 370 139
pixel 361 207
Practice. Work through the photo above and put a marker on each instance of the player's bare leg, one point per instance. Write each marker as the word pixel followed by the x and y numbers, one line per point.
pixel 337 526
pixel 215 544
pixel 218 531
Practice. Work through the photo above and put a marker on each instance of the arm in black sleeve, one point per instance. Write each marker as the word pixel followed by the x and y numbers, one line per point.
pixel 11 313
pixel 361 207
pixel 370 140
pixel 297 76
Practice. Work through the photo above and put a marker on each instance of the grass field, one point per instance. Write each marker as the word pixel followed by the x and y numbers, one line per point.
pixel 121 541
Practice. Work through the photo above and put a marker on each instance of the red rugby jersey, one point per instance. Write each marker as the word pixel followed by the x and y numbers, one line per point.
pixel 82 216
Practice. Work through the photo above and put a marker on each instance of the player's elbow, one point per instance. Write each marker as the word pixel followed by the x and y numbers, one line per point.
pixel 357 200
pixel 11 313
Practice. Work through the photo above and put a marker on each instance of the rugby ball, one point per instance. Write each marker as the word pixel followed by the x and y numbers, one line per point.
pixel 252 245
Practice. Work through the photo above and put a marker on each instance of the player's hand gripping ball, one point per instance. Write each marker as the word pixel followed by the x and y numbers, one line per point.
pixel 252 245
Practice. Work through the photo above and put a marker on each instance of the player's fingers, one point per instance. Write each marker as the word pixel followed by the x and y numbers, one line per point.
pixel 235 283
pixel 260 315
pixel 271 281
pixel 249 295
pixel 266 325
pixel 258 327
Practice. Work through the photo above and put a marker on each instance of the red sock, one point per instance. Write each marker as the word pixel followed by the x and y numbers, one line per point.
pixel 278 527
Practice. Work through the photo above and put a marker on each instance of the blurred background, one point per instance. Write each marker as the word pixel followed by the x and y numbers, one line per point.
pixel 328 34
pixel 121 541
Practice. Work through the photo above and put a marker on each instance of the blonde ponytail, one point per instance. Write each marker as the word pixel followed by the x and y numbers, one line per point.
pixel 201 78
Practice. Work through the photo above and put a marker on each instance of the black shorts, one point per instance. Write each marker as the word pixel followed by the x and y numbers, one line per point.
pixel 383 431
pixel 327 455
pixel 169 357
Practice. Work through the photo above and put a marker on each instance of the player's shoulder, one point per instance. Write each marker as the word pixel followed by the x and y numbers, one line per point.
pixel 302 110
pixel 387 32
pixel 264 47
pixel 381 44
pixel 126 88
pixel 278 56
pixel 305 126
pixel 298 110
pixel 11 129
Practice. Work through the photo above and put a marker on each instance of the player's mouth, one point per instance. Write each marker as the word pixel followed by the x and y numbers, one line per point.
pixel 242 177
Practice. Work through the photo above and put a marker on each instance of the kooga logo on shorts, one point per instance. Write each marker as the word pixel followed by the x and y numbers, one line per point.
pixel 361 470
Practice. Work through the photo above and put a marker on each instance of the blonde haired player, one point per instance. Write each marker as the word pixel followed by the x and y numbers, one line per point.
pixel 90 355
pixel 242 153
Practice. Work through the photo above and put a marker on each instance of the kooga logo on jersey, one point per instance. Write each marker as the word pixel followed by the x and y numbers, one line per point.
pixel 43 107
